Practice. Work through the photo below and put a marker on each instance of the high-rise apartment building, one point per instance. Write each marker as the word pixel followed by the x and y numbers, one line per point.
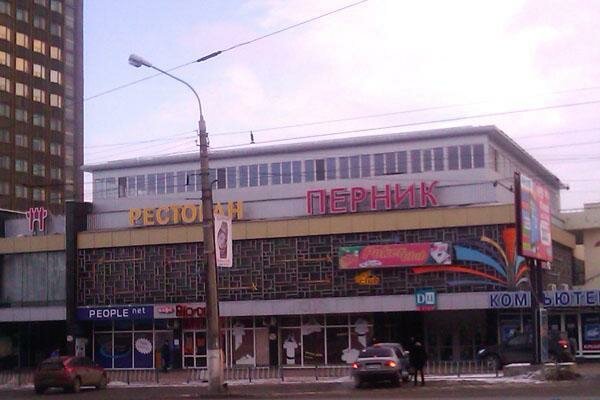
pixel 41 103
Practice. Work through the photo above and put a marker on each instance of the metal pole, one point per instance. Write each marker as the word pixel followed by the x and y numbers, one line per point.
pixel 213 348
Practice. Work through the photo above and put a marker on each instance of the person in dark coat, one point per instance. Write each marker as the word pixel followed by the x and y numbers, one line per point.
pixel 165 355
pixel 418 358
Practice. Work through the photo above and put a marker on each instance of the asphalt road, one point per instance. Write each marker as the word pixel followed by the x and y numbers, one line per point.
pixel 584 388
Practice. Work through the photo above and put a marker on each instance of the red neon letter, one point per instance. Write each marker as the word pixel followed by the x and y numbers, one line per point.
pixel 427 195
pixel 321 194
pixel 400 195
pixel 357 194
pixel 337 196
pixel 386 197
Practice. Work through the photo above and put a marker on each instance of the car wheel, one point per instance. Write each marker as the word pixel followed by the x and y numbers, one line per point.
pixel 40 389
pixel 396 379
pixel 102 384
pixel 358 383
pixel 492 361
pixel 76 387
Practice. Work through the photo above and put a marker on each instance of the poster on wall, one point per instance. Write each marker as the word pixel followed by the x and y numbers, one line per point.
pixel 223 241
pixel 532 200
pixel 143 353
pixel 591 331
pixel 395 255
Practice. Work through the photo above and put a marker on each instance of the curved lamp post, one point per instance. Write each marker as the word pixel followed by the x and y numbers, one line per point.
pixel 213 351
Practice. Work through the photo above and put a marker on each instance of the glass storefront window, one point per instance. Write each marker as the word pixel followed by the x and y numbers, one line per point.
pixel 338 351
pixel 313 340
pixel 143 325
pixel 103 326
pixel 590 324
pixel 290 346
pixel 337 320
pixel 124 325
pixel 122 350
pixel 289 320
pixel 143 350
pixel 103 349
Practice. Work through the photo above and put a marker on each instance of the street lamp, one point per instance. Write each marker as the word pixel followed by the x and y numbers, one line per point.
pixel 213 350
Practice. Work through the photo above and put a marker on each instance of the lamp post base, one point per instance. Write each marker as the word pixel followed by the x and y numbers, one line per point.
pixel 215 371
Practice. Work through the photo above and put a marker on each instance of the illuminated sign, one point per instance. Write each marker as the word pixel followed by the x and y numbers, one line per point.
pixel 189 311
pixel 181 214
pixel 37 215
pixel 395 255
pixel 114 313
pixel 343 200
pixel 533 217
pixel 181 310
pixel 425 299
pixel 366 278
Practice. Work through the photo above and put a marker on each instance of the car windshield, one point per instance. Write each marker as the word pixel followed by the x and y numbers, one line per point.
pixel 375 352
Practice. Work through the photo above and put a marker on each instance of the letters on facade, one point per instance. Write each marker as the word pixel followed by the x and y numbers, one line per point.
pixel 344 200
pixel 181 214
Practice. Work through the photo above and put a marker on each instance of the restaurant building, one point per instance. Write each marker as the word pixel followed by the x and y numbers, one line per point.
pixel 335 244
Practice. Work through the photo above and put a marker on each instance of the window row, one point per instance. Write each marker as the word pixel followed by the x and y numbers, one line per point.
pixel 288 172
pixel 23 166
pixel 37 70
pixel 37 119
pixel 37 194
pixel 21 13
pixel 37 45
pixel 38 95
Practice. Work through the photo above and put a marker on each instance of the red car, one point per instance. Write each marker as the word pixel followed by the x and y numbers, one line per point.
pixel 70 373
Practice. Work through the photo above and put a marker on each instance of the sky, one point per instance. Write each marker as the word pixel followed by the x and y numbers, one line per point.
pixel 417 62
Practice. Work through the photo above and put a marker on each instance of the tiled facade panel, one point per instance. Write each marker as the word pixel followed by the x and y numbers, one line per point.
pixel 280 268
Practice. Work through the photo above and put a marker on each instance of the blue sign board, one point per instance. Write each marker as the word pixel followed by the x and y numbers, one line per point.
pixel 425 299
pixel 510 300
pixel 572 298
pixel 115 313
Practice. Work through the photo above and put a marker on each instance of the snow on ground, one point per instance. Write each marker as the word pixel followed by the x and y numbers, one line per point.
pixel 481 378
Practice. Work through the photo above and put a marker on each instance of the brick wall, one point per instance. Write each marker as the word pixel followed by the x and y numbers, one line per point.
pixel 281 268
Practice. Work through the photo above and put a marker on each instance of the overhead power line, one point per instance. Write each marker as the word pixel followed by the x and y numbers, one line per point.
pixel 434 121
pixel 218 52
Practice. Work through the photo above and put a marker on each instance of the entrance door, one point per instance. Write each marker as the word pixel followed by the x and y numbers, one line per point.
pixel 194 349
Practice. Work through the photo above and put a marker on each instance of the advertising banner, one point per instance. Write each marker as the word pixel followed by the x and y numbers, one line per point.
pixel 591 331
pixel 395 255
pixel 223 241
pixel 533 208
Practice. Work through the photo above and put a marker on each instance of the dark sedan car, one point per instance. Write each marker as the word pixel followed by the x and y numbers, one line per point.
pixel 69 373
pixel 519 349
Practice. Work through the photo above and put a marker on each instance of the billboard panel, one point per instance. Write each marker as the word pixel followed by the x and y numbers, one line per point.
pixel 395 255
pixel 533 215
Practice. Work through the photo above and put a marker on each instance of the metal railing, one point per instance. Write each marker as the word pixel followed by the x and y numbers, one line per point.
pixel 250 374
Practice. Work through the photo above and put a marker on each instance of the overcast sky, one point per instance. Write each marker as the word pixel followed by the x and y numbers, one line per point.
pixel 464 58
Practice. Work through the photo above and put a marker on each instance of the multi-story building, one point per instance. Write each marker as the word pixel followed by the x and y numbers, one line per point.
pixel 41 103
pixel 298 292
pixel 335 243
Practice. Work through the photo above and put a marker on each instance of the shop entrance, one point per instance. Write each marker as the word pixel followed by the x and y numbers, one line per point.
pixel 194 349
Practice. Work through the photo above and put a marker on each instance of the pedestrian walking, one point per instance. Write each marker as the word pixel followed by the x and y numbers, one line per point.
pixel 418 358
pixel 165 355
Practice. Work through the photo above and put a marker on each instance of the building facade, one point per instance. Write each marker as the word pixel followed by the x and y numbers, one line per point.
pixel 41 103
pixel 298 292
pixel 336 244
